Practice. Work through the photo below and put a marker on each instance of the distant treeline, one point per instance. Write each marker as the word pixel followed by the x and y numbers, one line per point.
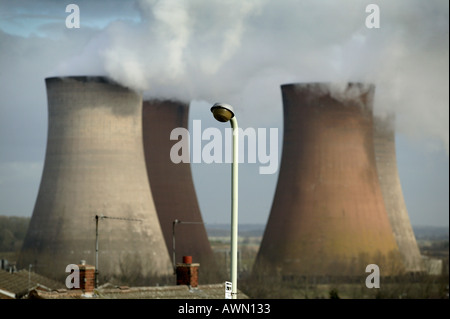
pixel 256 230
pixel 245 230
pixel 12 232
pixel 431 232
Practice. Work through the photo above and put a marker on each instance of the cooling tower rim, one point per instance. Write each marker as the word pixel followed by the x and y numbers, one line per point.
pixel 82 78
pixel 327 85
pixel 172 101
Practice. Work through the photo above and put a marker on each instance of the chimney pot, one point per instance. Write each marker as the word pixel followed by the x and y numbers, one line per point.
pixel 87 277
pixel 187 272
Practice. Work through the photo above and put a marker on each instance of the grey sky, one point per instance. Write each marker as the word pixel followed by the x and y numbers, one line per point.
pixel 238 52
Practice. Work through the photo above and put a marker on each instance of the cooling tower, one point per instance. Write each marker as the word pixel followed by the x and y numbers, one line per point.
pixel 328 216
pixel 386 160
pixel 94 165
pixel 172 185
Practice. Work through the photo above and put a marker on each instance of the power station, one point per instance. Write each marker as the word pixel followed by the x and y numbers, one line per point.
pixel 94 166
pixel 108 180
pixel 328 216
pixel 172 185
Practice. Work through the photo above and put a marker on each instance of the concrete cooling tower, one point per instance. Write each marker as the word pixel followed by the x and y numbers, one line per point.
pixel 172 185
pixel 386 160
pixel 94 165
pixel 328 216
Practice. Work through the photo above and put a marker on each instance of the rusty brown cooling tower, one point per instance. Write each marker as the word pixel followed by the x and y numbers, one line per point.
pixel 328 216
pixel 386 160
pixel 172 185
pixel 94 165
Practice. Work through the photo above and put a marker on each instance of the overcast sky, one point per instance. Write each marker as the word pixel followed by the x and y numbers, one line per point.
pixel 238 52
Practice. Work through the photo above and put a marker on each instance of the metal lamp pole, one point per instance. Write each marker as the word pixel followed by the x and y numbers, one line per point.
pixel 224 113
pixel 234 210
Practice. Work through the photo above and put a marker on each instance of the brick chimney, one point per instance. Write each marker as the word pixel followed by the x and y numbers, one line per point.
pixel 187 272
pixel 87 277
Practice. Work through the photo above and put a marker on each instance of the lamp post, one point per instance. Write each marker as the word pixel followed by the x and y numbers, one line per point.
pixel 224 113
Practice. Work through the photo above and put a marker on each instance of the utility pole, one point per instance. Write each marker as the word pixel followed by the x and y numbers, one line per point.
pixel 174 223
pixel 97 217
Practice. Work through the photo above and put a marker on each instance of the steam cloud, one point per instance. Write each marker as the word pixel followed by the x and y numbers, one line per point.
pixel 235 51
pixel 242 51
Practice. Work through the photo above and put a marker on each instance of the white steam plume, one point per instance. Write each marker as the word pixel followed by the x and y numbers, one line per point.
pixel 217 50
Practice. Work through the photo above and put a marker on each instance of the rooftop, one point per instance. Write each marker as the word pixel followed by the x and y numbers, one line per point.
pixel 16 285
pixel 211 291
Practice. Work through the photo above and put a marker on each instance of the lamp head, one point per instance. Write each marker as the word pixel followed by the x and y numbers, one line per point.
pixel 222 112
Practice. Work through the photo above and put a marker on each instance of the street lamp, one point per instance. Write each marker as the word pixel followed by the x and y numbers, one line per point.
pixel 224 113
